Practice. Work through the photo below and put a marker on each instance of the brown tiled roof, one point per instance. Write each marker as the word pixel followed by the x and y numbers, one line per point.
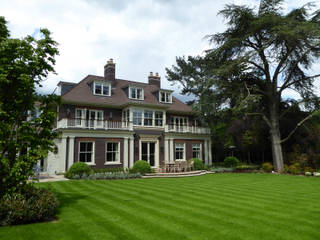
pixel 82 94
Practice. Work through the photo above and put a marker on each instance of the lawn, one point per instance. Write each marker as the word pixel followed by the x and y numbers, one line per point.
pixel 215 206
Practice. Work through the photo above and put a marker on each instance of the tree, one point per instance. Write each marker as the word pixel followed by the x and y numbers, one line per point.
pixel 24 63
pixel 261 54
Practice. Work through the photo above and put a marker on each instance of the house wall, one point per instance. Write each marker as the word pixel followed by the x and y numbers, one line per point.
pixel 99 151
pixel 188 145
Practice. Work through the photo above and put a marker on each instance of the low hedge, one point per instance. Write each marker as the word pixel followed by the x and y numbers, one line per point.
pixel 107 176
pixel 78 168
pixel 107 170
pixel 267 167
pixel 198 164
pixel 247 167
pixel 35 205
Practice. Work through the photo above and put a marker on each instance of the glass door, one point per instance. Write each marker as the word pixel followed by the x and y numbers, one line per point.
pixel 148 152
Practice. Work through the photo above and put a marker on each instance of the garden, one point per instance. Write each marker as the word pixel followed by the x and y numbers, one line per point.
pixel 214 206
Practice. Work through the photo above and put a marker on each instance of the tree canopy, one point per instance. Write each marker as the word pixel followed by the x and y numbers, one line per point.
pixel 262 53
pixel 24 64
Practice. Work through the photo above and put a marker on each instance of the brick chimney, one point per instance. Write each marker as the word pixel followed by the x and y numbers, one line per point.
pixel 154 79
pixel 110 70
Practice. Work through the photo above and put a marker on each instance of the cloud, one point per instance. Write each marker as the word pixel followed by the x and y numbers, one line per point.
pixel 140 35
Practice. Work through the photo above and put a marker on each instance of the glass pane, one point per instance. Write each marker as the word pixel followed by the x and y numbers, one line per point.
pixel 78 113
pixel 109 156
pixel 139 93
pixel 133 93
pixel 89 147
pixel 106 90
pixel 88 157
pixel 144 148
pixel 98 89
pixel 82 157
pixel 82 147
pixel 109 147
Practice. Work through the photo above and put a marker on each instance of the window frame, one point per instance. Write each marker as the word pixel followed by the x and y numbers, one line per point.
pixel 92 152
pixel 103 84
pixel 167 96
pixel 148 119
pixel 118 153
pixel 141 117
pixel 183 153
pixel 199 150
pixel 131 88
pixel 156 119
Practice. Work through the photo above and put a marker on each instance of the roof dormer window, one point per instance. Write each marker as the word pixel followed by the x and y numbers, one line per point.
pixel 103 89
pixel 165 97
pixel 136 93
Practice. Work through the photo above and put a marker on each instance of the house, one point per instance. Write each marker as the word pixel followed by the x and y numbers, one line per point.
pixel 110 122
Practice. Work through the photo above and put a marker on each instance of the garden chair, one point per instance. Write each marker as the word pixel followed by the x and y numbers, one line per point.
pixel 190 165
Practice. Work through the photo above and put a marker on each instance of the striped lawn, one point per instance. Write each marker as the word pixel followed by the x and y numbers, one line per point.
pixel 216 206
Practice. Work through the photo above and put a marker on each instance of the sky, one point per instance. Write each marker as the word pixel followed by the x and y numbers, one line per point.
pixel 140 35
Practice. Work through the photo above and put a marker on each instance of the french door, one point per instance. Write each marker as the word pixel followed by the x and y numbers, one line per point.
pixel 148 152
pixel 180 123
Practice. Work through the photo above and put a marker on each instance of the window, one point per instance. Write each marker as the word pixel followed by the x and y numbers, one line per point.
pixel 35 113
pixel 165 97
pixel 113 152
pixel 179 151
pixel 103 89
pixel 136 93
pixel 148 116
pixel 137 117
pixel 196 150
pixel 86 152
pixel 79 116
pixel 159 119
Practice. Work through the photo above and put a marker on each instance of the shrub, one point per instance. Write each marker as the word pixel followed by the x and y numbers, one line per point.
pixel 267 167
pixel 33 206
pixel 141 167
pixel 221 169
pixel 108 175
pixel 105 170
pixel 309 169
pixel 285 168
pixel 247 167
pixel 197 164
pixel 294 168
pixel 316 174
pixel 308 173
pixel 231 161
pixel 78 168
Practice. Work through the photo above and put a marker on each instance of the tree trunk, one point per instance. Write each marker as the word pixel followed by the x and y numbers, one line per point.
pixel 276 140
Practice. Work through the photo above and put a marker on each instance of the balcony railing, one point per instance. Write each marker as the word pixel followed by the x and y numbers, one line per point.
pixel 94 124
pixel 186 129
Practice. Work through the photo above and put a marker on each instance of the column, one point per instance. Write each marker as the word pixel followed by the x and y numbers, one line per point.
pixel 171 151
pixel 63 150
pixel 206 152
pixel 71 152
pixel 131 151
pixel 210 153
pixel 166 150
pixel 125 153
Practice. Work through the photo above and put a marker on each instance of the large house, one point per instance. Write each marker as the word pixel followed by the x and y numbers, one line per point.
pixel 110 122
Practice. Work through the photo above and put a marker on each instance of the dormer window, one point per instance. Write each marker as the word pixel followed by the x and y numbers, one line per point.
pixel 165 97
pixel 103 89
pixel 136 93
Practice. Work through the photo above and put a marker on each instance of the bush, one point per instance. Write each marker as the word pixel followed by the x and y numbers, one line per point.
pixel 141 167
pixel 308 173
pixel 107 175
pixel 197 164
pixel 221 169
pixel 247 167
pixel 78 168
pixel 33 206
pixel 267 167
pixel 309 169
pixel 231 161
pixel 294 168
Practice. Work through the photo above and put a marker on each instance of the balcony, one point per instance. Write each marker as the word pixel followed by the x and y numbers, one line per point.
pixel 94 124
pixel 186 129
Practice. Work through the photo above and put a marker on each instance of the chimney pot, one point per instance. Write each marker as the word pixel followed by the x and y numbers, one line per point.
pixel 154 79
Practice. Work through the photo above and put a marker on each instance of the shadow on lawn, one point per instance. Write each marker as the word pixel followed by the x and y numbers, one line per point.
pixel 68 198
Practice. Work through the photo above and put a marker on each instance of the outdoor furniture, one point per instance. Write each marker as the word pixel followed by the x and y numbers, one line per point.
pixel 183 166
pixel 190 165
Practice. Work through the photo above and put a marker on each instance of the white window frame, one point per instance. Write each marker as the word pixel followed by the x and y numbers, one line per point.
pixel 198 149
pixel 184 151
pixel 136 97
pixel 155 118
pixel 152 117
pixel 103 84
pixel 93 152
pixel 168 95
pixel 118 153
pixel 142 110
pixel 142 117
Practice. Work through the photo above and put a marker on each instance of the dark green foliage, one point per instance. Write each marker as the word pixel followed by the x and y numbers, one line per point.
pixel 198 164
pixel 247 167
pixel 34 205
pixel 141 167
pixel 107 176
pixel 78 168
pixel 267 167
pixel 231 161
pixel 260 55
pixel 294 168
pixel 24 64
